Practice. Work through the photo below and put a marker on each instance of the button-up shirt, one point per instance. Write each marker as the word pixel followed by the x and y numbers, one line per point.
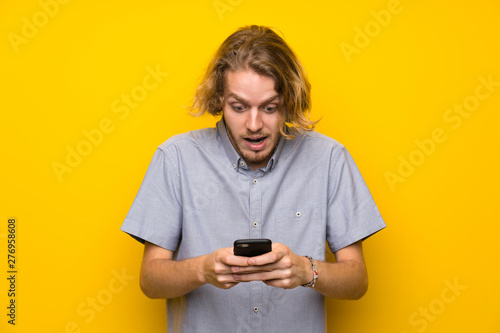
pixel 199 195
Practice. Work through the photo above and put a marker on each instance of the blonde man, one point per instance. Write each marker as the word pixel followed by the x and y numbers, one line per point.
pixel 262 172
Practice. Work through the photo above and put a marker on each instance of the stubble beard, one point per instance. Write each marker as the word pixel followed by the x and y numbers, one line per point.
pixel 254 157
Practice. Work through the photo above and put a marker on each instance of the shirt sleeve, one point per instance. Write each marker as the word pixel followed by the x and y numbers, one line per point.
pixel 352 212
pixel 156 213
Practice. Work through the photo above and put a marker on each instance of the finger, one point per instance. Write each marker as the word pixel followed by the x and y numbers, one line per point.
pixel 226 279
pixel 281 283
pixel 227 285
pixel 260 276
pixel 222 269
pixel 222 279
pixel 227 257
pixel 267 258
pixel 232 260
pixel 252 269
pixel 251 277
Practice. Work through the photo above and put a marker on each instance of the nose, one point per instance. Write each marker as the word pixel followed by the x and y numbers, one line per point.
pixel 254 120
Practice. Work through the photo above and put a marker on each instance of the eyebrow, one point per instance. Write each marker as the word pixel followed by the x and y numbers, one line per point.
pixel 242 100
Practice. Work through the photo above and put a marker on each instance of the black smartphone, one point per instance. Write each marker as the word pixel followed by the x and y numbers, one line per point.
pixel 252 247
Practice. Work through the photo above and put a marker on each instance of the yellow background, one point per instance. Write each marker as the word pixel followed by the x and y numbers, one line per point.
pixel 62 68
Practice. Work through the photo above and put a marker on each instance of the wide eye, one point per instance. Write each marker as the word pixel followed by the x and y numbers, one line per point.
pixel 238 108
pixel 270 109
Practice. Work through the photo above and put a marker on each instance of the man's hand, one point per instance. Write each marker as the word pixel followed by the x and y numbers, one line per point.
pixel 279 268
pixel 163 277
pixel 217 267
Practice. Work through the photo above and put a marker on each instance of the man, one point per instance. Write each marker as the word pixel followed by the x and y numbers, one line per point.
pixel 263 172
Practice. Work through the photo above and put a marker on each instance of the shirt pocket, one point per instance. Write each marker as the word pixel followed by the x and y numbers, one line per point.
pixel 296 215
pixel 301 228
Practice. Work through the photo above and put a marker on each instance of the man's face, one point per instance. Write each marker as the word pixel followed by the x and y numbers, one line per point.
pixel 251 115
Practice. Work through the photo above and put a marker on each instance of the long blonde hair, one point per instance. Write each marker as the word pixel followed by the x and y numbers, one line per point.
pixel 260 49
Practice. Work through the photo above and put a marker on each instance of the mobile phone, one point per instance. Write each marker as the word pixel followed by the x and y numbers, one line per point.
pixel 252 247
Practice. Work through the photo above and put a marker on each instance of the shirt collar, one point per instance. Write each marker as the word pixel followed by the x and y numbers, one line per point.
pixel 235 159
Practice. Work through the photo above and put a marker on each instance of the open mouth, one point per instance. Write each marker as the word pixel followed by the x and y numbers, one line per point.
pixel 256 140
pixel 256 144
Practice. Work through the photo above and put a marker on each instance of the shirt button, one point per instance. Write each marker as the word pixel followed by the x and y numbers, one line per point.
pixel 242 164
pixel 298 214
pixel 234 166
pixel 255 181
pixel 256 309
pixel 256 224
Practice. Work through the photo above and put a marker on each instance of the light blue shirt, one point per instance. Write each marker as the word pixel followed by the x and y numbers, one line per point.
pixel 199 195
